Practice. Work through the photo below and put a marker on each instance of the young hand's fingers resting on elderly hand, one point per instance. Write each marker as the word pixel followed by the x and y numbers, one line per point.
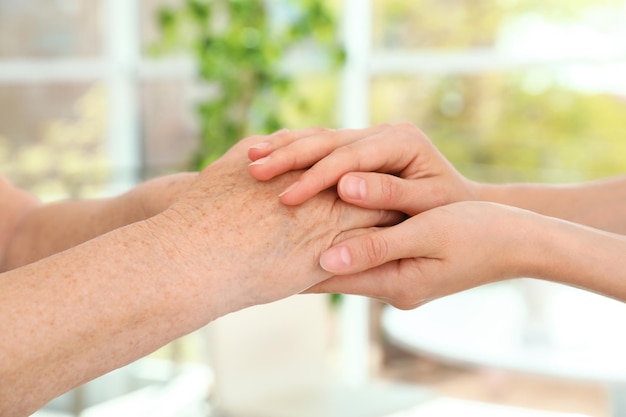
pixel 383 191
pixel 385 148
pixel 291 150
pixel 266 144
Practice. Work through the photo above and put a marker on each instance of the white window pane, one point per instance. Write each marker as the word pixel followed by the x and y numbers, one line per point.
pixel 50 28
pixel 528 123
pixel 454 24
pixel 168 126
pixel 52 138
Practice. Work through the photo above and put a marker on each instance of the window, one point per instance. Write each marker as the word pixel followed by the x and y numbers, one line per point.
pixel 509 90
pixel 66 63
pixel 80 95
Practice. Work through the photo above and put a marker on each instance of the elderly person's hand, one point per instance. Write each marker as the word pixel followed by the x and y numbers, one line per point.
pixel 227 243
pixel 265 250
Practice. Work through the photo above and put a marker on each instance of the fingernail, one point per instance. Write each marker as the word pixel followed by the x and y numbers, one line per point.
pixel 260 161
pixel 336 259
pixel 260 145
pixel 290 188
pixel 354 187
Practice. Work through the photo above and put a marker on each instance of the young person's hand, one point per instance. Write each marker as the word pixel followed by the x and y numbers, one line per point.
pixel 436 253
pixel 463 245
pixel 376 167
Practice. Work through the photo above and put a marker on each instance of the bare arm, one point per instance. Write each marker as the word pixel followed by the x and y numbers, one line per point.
pixel 83 312
pixel 75 315
pixel 600 204
pixel 44 229
pixel 15 205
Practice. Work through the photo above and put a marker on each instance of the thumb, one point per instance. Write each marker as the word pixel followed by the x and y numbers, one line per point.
pixel 366 251
pixel 377 191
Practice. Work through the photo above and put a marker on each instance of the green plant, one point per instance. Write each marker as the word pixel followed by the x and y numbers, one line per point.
pixel 239 47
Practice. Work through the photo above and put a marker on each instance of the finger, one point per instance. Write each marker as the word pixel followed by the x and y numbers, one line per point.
pixel 409 239
pixel 376 282
pixel 398 283
pixel 369 154
pixel 375 191
pixel 266 144
pixel 289 152
pixel 355 219
pixel 389 192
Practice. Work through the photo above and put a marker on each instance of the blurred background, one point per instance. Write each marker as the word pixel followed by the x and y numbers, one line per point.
pixel 98 95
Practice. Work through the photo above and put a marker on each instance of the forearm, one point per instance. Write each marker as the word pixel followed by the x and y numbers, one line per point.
pixel 54 227
pixel 577 255
pixel 83 312
pixel 58 226
pixel 599 204
pixel 15 205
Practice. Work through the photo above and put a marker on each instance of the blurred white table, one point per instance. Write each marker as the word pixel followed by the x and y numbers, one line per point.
pixel 569 333
pixel 446 407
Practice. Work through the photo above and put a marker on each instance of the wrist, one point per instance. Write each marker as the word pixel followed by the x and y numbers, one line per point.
pixel 569 253
pixel 522 244
pixel 174 251
pixel 16 208
pixel 539 250
pixel 158 194
pixel 494 193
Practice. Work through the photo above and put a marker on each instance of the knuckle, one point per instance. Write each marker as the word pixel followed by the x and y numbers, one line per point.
pixel 390 191
pixel 404 300
pixel 401 305
pixel 406 126
pixel 334 137
pixel 286 158
pixel 316 177
pixel 376 249
pixel 318 130
pixel 439 194
pixel 412 289
pixel 346 151
pixel 410 131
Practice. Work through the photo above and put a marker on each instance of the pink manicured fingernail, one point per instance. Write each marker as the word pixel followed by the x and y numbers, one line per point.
pixel 354 187
pixel 336 259
pixel 260 161
pixel 290 188
pixel 260 145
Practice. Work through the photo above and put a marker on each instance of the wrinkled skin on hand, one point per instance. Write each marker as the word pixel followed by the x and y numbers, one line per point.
pixel 234 226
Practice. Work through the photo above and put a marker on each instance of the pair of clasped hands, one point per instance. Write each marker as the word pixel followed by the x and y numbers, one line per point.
pixel 436 238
